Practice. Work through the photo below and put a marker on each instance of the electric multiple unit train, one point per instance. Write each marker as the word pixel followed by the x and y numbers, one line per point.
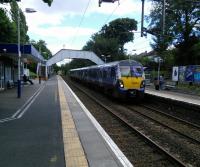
pixel 121 79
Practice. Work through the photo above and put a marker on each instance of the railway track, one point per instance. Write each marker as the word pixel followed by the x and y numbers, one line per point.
pixel 179 110
pixel 181 127
pixel 125 133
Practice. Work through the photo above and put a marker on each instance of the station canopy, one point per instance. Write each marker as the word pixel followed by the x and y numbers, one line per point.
pixel 28 52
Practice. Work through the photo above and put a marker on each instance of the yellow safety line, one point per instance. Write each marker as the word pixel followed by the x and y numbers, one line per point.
pixel 74 154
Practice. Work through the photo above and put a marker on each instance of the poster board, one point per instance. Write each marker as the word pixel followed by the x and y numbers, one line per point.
pixel 175 74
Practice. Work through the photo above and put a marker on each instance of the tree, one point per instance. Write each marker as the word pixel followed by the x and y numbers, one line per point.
pixel 120 29
pixel 102 46
pixel 7 29
pixel 181 18
pixel 41 46
pixel 49 2
pixel 111 38
pixel 23 25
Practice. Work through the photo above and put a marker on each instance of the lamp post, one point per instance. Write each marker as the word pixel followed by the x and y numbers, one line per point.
pixel 160 60
pixel 105 57
pixel 27 10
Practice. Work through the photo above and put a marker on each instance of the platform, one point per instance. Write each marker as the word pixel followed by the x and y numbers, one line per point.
pixel 49 126
pixel 99 149
pixel 173 95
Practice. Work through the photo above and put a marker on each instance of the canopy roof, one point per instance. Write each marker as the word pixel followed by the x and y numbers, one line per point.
pixel 27 51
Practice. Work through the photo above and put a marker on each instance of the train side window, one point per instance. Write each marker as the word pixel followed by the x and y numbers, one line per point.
pixel 100 73
pixel 104 73
pixel 108 72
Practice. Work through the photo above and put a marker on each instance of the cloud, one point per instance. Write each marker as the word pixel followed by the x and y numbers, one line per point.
pixel 61 32
pixel 56 37
pixel 51 23
pixel 72 8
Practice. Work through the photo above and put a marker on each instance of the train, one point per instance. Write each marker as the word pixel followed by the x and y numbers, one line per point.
pixel 120 79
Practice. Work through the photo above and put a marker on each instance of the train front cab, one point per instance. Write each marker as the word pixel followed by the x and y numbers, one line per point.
pixel 131 82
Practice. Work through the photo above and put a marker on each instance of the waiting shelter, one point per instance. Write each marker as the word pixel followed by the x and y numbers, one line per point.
pixel 9 61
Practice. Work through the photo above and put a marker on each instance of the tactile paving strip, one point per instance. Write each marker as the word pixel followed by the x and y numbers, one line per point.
pixel 74 154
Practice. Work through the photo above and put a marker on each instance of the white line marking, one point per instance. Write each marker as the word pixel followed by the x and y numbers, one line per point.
pixel 20 110
pixel 7 119
pixel 122 158
pixel 26 108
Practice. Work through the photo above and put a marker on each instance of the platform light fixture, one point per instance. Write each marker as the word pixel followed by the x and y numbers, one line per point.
pixel 27 10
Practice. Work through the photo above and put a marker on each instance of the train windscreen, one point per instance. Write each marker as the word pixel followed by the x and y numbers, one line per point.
pixel 133 71
pixel 125 71
pixel 137 71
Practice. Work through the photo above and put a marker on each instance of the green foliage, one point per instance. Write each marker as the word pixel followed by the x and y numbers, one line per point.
pixel 23 25
pixel 102 46
pixel 189 54
pixel 7 29
pixel 145 61
pixel 181 18
pixel 111 38
pixel 76 63
pixel 56 68
pixel 33 75
pixel 41 46
pixel 44 51
pixel 120 29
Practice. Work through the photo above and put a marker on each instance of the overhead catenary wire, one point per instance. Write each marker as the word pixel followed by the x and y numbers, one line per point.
pixel 82 18
pixel 114 10
pixel 106 21
pixel 108 18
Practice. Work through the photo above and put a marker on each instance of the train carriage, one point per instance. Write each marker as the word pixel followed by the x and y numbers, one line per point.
pixel 121 79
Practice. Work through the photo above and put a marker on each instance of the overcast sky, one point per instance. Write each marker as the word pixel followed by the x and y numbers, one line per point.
pixel 63 26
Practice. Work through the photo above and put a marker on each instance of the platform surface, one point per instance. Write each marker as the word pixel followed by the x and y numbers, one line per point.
pixel 50 127
pixel 187 98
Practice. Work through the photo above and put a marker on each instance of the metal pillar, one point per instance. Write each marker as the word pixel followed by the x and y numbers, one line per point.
pixel 142 19
pixel 163 18
pixel 19 56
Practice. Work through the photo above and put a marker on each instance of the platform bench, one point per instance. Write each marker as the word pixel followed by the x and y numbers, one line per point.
pixel 170 85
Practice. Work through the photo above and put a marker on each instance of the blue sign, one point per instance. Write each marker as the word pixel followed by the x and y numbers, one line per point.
pixel 197 77
pixel 189 73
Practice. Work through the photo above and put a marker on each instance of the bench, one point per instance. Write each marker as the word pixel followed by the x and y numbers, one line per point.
pixel 10 84
pixel 170 85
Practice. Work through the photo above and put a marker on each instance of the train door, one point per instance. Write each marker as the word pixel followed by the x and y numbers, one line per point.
pixel 2 76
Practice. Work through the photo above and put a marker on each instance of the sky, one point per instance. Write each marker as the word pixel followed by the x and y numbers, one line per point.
pixel 69 24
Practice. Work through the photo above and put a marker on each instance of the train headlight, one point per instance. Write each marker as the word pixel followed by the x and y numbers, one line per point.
pixel 121 84
pixel 142 85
